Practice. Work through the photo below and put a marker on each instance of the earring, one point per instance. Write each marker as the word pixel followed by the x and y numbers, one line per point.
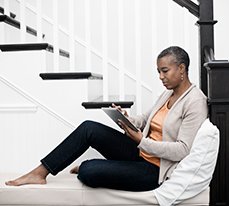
pixel 182 77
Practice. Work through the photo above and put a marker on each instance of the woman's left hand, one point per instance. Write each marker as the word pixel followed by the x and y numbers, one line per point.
pixel 136 136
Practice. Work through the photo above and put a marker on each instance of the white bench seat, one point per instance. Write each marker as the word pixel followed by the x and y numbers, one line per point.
pixel 66 189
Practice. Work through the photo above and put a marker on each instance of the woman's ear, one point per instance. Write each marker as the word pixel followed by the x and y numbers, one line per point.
pixel 182 68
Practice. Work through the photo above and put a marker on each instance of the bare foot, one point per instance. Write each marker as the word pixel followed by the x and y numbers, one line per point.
pixel 74 170
pixel 36 176
pixel 26 179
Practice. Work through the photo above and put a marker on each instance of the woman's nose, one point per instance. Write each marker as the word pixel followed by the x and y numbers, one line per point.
pixel 161 76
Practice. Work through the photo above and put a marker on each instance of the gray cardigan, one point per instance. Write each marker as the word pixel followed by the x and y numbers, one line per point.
pixel 179 129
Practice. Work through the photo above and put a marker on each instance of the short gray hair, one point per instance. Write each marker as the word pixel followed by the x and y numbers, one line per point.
pixel 178 53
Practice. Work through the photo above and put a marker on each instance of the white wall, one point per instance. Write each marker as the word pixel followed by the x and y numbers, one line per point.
pixel 221 29
pixel 117 38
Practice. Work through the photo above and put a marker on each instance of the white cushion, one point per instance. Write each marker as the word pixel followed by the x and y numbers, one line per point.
pixel 194 173
pixel 66 190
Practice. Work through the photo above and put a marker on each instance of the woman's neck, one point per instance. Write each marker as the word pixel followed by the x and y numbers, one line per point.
pixel 177 92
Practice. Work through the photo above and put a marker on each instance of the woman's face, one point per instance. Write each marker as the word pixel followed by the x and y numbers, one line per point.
pixel 169 72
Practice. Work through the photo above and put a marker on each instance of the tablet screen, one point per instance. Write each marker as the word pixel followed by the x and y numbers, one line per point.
pixel 115 115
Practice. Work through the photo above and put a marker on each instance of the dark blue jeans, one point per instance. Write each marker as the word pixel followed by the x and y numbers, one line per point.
pixel 122 167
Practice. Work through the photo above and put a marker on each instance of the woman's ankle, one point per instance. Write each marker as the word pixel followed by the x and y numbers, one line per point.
pixel 40 171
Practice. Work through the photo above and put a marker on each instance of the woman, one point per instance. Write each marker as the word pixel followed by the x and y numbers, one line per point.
pixel 135 161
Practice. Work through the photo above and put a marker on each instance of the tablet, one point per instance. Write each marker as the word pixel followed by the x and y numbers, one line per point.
pixel 115 115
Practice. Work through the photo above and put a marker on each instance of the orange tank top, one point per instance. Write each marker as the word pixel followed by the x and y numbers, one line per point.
pixel 155 132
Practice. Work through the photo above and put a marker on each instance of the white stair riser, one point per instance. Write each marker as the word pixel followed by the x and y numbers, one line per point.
pixel 63 96
pixel 26 127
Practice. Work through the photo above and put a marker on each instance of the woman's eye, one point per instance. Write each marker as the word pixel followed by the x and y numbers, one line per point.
pixel 163 71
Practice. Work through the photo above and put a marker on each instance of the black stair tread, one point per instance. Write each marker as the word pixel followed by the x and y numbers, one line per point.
pixel 31 46
pixel 70 75
pixel 9 20
pixel 13 22
pixel 2 10
pixel 98 105
pixel 24 46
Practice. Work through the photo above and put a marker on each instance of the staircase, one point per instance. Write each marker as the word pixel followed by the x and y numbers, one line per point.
pixel 42 103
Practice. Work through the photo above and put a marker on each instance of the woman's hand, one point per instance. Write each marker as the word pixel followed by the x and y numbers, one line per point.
pixel 136 136
pixel 124 112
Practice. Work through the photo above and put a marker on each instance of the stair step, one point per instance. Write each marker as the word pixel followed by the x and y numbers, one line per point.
pixel 11 21
pixel 70 75
pixel 24 47
pixel 54 94
pixel 98 105
pixel 2 10
pixel 31 46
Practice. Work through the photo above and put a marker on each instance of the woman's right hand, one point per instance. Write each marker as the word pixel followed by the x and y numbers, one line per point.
pixel 124 112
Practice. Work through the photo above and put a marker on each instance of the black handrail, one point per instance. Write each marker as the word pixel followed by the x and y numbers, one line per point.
pixel 191 6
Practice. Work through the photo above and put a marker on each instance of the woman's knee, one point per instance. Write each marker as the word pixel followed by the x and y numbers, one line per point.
pixel 85 127
pixel 88 173
pixel 89 125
